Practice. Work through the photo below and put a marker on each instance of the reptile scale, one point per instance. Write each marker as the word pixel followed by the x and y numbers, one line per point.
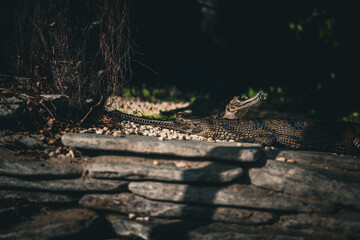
pixel 326 136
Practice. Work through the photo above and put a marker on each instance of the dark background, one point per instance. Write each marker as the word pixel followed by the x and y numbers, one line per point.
pixel 305 55
pixel 313 70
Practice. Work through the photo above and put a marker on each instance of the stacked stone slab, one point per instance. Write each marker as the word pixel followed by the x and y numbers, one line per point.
pixel 176 189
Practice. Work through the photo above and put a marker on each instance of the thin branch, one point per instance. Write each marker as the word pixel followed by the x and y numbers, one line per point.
pixel 142 64
pixel 82 120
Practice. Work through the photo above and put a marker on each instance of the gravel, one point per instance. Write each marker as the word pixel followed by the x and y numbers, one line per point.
pixel 135 106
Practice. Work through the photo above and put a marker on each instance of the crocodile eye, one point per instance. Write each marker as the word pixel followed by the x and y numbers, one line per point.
pixel 263 96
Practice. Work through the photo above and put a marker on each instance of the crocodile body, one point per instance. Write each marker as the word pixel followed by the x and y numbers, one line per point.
pixel 327 136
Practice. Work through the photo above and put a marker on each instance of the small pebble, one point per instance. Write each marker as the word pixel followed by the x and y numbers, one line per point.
pixel 143 219
pixel 155 163
pixel 281 159
pixel 181 165
pixel 181 137
pixel 70 154
pixel 100 131
pixel 116 134
pixel 131 216
pixel 58 150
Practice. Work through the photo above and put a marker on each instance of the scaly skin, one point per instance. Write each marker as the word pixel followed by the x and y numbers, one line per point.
pixel 237 108
pixel 337 137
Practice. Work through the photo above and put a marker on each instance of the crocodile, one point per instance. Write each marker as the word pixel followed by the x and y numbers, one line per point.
pixel 238 107
pixel 316 135
pixel 303 134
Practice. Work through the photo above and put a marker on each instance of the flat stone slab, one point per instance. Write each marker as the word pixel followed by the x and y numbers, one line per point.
pixel 175 229
pixel 152 145
pixel 54 225
pixel 183 173
pixel 8 216
pixel 335 226
pixel 347 164
pixel 76 185
pixel 11 107
pixel 235 195
pixel 307 182
pixel 36 170
pixel 22 140
pixel 130 203
pixel 36 197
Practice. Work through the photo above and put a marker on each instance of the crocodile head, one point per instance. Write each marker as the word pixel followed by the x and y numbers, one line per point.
pixel 238 107
pixel 188 125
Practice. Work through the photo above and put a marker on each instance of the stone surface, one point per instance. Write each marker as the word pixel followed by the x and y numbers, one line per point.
pixel 10 107
pixel 335 226
pixel 21 140
pixel 175 229
pixel 36 197
pixel 166 173
pixel 234 195
pixel 319 159
pixel 37 170
pixel 76 185
pixel 215 231
pixel 13 106
pixel 151 145
pixel 129 203
pixel 53 225
pixel 308 182
pixel 8 216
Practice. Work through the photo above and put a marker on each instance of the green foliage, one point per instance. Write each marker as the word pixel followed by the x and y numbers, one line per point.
pixel 317 28
pixel 127 92
pixel 145 93
pixel 154 95
pixel 277 96
pixel 353 117
pixel 162 117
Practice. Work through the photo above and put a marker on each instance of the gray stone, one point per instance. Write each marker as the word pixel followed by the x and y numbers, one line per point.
pixel 8 216
pixel 54 97
pixel 36 197
pixel 151 145
pixel 10 110
pixel 13 106
pixel 318 159
pixel 53 225
pixel 215 231
pixel 10 107
pixel 21 140
pixel 129 203
pixel 38 170
pixel 175 229
pixel 307 182
pixel 129 228
pixel 76 185
pixel 335 226
pixel 143 171
pixel 235 195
